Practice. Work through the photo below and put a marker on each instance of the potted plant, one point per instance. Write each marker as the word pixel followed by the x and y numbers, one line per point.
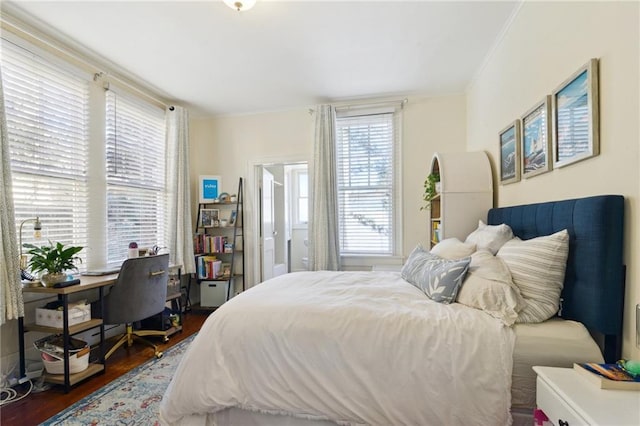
pixel 431 189
pixel 53 260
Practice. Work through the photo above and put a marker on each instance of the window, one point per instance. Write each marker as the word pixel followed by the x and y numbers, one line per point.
pixel 136 197
pixel 94 176
pixel 366 146
pixel 47 121
pixel 300 197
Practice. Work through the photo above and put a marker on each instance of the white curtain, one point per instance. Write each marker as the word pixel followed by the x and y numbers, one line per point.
pixel 180 238
pixel 11 301
pixel 324 246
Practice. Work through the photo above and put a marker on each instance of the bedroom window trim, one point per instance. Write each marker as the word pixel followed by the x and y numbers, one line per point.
pixel 136 189
pixel 373 113
pixel 88 228
pixel 47 106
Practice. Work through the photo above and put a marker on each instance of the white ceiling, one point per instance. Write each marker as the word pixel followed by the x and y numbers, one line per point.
pixel 283 54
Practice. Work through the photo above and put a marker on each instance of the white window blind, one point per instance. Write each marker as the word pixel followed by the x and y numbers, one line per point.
pixel 47 119
pixel 366 154
pixel 136 196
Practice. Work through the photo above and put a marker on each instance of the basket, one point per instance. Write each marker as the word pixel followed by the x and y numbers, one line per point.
pixel 78 362
pixel 52 354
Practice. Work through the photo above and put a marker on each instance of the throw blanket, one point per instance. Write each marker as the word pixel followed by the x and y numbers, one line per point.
pixel 351 347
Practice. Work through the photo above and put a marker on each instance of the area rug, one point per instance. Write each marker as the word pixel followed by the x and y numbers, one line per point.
pixel 132 399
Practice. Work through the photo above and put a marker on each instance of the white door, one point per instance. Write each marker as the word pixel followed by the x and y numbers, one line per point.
pixel 267 225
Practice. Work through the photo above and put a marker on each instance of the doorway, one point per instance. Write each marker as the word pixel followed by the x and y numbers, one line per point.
pixel 283 204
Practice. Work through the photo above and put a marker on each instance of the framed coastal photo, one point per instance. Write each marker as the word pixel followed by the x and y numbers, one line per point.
pixel 209 217
pixel 536 139
pixel 209 188
pixel 576 116
pixel 510 153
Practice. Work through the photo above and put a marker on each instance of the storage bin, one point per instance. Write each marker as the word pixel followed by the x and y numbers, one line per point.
pixel 213 293
pixel 173 286
pixel 52 352
pixel 53 318
pixel 78 362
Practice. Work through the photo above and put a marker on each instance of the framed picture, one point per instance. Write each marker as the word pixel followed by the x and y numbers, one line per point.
pixel 209 188
pixel 536 139
pixel 576 117
pixel 225 269
pixel 209 217
pixel 510 153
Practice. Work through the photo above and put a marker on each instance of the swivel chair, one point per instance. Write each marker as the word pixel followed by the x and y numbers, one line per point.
pixel 140 292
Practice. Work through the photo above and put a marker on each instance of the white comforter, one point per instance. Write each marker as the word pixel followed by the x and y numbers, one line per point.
pixel 351 347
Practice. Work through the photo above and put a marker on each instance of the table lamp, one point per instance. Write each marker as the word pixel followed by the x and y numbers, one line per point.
pixel 37 227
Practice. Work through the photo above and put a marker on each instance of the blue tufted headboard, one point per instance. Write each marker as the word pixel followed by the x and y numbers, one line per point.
pixel 594 282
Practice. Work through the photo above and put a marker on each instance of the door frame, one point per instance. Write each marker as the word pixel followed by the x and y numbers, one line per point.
pixel 262 232
pixel 252 215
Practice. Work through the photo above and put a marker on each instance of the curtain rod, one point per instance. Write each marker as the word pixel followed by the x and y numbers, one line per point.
pixel 364 104
pixel 51 44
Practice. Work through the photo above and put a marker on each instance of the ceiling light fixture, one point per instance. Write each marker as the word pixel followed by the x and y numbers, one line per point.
pixel 240 5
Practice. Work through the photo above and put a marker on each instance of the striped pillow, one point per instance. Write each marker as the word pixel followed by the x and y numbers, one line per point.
pixel 537 267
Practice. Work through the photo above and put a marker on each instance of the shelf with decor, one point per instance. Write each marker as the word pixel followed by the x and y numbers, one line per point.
pixel 65 323
pixel 464 194
pixel 219 249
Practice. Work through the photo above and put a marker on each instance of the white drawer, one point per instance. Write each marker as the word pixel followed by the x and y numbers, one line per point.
pixel 555 407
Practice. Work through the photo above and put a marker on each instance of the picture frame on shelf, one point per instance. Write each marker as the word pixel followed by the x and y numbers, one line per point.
pixel 536 139
pixel 225 270
pixel 232 218
pixel 209 218
pixel 510 153
pixel 209 188
pixel 576 116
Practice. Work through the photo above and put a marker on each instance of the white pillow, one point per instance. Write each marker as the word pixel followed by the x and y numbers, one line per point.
pixel 453 248
pixel 490 237
pixel 537 267
pixel 488 286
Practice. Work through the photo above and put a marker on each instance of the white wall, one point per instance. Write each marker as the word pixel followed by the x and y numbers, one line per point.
pixel 545 44
pixel 231 146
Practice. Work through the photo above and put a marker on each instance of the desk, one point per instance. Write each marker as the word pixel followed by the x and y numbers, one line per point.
pixel 86 283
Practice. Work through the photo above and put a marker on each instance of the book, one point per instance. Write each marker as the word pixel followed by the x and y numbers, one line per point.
pixel 607 376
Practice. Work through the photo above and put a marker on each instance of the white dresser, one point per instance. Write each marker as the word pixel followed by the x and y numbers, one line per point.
pixel 568 399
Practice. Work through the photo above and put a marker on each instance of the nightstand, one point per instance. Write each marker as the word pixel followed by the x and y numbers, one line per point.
pixel 570 400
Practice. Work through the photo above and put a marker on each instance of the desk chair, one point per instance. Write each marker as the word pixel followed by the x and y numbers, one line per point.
pixel 140 292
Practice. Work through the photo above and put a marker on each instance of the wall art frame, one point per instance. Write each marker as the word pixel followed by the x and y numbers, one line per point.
pixel 209 188
pixel 535 149
pixel 510 153
pixel 576 116
pixel 209 218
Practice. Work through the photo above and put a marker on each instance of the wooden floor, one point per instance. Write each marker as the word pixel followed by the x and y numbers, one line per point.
pixel 38 407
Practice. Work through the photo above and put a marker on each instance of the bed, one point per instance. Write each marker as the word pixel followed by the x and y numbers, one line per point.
pixel 368 348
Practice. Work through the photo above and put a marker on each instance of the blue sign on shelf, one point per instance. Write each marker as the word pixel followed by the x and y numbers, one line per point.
pixel 209 188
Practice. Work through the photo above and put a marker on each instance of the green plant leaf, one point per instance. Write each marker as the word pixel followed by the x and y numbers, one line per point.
pixel 53 257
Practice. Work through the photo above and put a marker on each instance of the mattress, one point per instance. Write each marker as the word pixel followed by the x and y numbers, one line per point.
pixel 555 343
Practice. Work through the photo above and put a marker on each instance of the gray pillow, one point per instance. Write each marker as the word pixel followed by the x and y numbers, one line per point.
pixel 440 279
